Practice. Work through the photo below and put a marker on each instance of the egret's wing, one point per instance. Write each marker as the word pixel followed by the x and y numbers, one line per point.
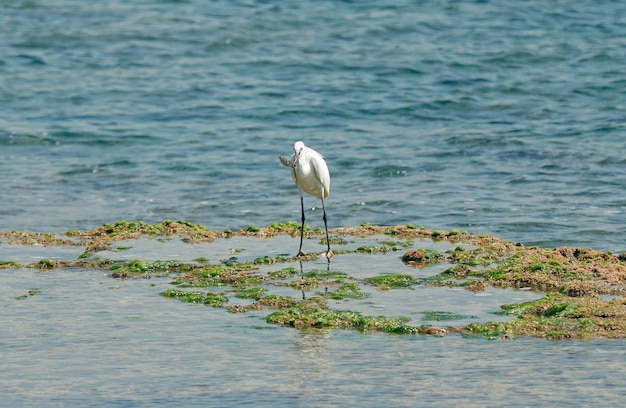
pixel 320 170
pixel 293 175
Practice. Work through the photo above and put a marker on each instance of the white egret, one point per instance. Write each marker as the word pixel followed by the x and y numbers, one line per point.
pixel 310 173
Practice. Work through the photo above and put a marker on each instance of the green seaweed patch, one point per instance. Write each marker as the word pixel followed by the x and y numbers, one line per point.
pixel 236 275
pixel 570 271
pixel 441 279
pixel 45 264
pixel 137 267
pixel 277 302
pixel 491 330
pixel 397 245
pixel 308 315
pixel 129 227
pixel 457 276
pixel 548 306
pixel 335 241
pixel 284 273
pixel 309 283
pixel 288 227
pixel 102 237
pixel 79 263
pixel 423 256
pixel 373 249
pixel 9 264
pixel 391 281
pixel 28 294
pixel 467 257
pixel 345 291
pixel 319 274
pixel 271 260
pixel 250 293
pixel 475 285
pixel 37 238
pixel 519 309
pixel 438 315
pixel 214 299
pixel 457 272
pixel 86 255
pixel 564 309
pixel 558 316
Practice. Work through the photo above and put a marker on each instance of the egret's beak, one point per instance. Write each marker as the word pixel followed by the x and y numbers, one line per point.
pixel 298 153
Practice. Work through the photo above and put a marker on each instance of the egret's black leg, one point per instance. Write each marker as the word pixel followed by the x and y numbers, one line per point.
pixel 300 253
pixel 302 280
pixel 329 254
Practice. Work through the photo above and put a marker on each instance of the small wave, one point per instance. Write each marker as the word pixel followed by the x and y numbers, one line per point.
pixel 390 171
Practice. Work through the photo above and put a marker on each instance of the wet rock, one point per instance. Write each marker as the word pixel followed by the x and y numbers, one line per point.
pixel 422 256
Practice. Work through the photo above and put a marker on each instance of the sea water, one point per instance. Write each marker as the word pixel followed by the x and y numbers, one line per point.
pixel 504 118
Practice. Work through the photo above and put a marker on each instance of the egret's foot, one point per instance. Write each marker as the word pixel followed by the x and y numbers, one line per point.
pixel 286 162
pixel 329 254
pixel 301 253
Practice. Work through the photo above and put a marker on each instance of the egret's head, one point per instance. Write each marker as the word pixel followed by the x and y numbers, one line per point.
pixel 297 147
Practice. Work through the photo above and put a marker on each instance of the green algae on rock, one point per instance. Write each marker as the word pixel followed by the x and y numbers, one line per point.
pixel 236 275
pixel 138 267
pixel 215 299
pixel 391 281
pixel 283 273
pixel 250 293
pixel 558 316
pixel 350 290
pixel 423 256
pixel 438 315
pixel 314 314
pixel 266 302
pixel 9 264
pixel 30 293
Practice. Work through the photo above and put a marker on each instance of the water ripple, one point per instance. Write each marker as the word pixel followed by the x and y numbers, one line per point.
pixel 488 103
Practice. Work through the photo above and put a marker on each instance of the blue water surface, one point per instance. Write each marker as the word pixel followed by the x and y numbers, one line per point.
pixel 502 117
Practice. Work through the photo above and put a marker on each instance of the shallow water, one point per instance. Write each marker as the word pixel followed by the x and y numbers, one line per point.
pixel 247 249
pixel 504 118
pixel 76 336
pixel 414 301
pixel 88 340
